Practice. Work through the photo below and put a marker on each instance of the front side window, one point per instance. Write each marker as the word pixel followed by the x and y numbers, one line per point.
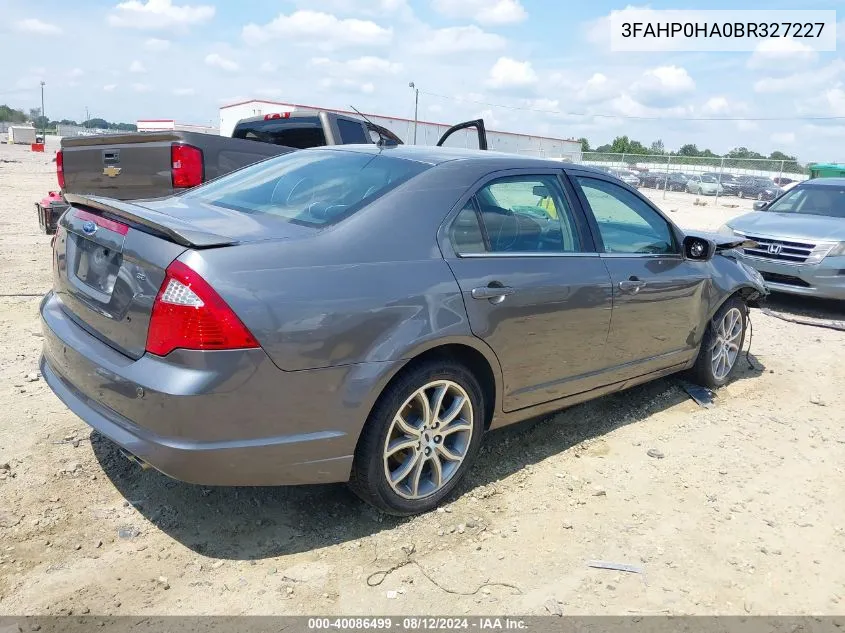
pixel 312 187
pixel 517 214
pixel 351 132
pixel 626 223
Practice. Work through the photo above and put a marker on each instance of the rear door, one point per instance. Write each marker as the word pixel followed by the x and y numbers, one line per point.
pixel 657 293
pixel 534 288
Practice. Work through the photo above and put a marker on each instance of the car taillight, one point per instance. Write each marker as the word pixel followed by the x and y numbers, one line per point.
pixel 189 314
pixel 60 169
pixel 277 115
pixel 185 165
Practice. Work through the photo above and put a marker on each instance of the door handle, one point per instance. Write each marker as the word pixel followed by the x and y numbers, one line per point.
pixel 631 285
pixel 492 292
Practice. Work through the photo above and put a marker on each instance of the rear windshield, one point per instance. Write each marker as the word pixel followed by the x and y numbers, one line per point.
pixel 313 188
pixel 708 179
pixel 824 200
pixel 300 132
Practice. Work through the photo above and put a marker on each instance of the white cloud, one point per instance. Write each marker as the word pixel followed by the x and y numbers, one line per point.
pixel 435 108
pixel 268 67
pixel 323 30
pixel 596 89
pixel 159 14
pixel 347 85
pixel 830 102
pixel 662 86
pixel 109 87
pixel 483 11
pixel 375 65
pixel 510 73
pixel 184 92
pixel 156 45
pixel 141 87
pixel 626 105
pixel 368 88
pixel 76 73
pixel 218 61
pixel 459 39
pixel 783 138
pixel 779 54
pixel 802 82
pixel 33 25
pixel 137 67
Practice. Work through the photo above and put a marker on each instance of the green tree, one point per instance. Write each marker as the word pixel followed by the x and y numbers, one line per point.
pixel 657 147
pixel 585 144
pixel 12 115
pixel 776 155
pixel 41 122
pixel 689 149
pixel 96 123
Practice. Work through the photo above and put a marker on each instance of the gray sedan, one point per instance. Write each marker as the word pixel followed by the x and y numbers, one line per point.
pixel 800 239
pixel 365 314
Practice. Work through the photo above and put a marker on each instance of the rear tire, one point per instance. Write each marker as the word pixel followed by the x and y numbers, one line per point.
pixel 394 466
pixel 740 193
pixel 721 344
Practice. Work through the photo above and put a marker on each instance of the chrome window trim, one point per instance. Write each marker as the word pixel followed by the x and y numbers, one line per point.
pixel 508 255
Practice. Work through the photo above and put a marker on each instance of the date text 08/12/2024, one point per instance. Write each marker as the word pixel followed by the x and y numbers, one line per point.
pixel 418 623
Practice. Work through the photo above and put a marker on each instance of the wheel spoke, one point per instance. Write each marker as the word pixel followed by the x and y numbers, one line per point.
pixel 439 394
pixel 416 475
pixel 401 473
pixel 455 427
pixel 448 454
pixel 405 427
pixel 422 398
pixel 436 471
pixel 457 405
pixel 400 445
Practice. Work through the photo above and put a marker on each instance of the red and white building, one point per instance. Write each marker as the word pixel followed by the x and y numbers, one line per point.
pixel 168 125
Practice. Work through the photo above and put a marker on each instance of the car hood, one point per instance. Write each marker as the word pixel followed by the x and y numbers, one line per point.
pixel 791 225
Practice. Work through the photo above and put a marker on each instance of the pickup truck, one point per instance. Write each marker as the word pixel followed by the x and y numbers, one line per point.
pixel 143 165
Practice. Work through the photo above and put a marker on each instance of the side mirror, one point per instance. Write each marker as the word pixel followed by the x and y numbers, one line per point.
pixel 698 249
pixel 540 191
pixel 760 205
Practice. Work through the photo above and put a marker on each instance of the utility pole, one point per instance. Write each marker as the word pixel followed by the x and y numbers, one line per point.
pixel 416 108
pixel 43 127
pixel 87 118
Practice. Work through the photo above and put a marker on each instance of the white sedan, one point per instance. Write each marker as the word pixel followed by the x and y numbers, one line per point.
pixel 704 185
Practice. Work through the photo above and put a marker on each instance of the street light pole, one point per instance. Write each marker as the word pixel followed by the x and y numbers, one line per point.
pixel 43 127
pixel 416 108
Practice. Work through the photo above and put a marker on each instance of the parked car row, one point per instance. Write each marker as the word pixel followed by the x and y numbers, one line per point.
pixel 710 183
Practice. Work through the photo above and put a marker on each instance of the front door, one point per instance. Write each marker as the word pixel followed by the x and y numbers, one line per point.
pixel 657 293
pixel 534 288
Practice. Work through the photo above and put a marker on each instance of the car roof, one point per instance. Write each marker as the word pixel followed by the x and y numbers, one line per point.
pixel 823 182
pixel 434 155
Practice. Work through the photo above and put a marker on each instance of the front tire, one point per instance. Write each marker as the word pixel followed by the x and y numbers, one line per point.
pixel 420 439
pixel 741 194
pixel 721 344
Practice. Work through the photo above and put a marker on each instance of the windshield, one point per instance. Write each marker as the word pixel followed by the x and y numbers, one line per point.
pixel 708 179
pixel 820 200
pixel 313 188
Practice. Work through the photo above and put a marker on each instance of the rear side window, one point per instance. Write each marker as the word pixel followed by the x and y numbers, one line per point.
pixel 313 188
pixel 351 132
pixel 299 132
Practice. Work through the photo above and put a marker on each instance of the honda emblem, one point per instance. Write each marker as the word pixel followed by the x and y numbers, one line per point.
pixel 775 249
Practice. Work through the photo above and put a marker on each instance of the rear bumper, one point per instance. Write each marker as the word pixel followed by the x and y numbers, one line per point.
pixel 212 418
pixel 825 280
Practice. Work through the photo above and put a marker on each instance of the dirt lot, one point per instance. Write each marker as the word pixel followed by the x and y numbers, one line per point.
pixel 743 514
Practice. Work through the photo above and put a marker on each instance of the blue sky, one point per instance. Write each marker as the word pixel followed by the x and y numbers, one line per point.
pixel 184 58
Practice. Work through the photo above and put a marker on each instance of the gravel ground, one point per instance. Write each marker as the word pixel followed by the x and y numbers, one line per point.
pixel 731 510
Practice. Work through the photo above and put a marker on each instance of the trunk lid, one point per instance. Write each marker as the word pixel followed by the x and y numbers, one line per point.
pixel 110 258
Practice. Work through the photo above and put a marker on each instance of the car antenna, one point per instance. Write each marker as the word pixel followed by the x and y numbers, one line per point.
pixel 381 142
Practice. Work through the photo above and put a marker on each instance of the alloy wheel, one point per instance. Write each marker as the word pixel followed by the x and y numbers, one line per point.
pixel 428 439
pixel 725 349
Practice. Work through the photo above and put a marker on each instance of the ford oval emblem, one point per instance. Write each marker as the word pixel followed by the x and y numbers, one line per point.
pixel 89 227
